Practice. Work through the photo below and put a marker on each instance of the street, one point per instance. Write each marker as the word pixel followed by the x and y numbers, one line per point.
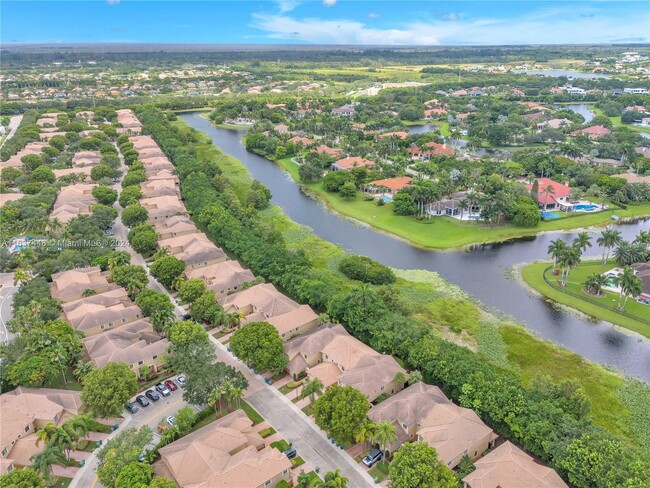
pixel 14 122
pixel 6 298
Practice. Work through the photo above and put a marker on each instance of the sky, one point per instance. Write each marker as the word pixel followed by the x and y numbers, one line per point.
pixel 363 22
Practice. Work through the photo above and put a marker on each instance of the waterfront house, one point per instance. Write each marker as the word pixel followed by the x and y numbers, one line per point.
pixel 351 162
pixel 225 453
pixel 551 194
pixel 593 132
pixel 454 206
pixel 178 225
pixel 332 152
pixel 510 467
pixel 388 186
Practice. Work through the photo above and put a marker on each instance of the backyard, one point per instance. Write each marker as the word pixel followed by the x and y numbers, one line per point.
pixel 634 316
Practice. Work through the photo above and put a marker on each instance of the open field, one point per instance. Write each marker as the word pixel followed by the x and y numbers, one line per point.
pixel 447 232
pixel 635 315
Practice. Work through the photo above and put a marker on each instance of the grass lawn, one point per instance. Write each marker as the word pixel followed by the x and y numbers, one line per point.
pixel 379 471
pixel 59 383
pixel 605 308
pixel 252 414
pixel 280 445
pixel 297 461
pixel 446 232
pixel 264 433
pixel 88 446
pixel 287 388
pixel 61 482
pixel 308 410
pixel 537 358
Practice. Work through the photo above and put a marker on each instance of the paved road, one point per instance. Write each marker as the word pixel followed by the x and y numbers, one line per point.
pixel 87 476
pixel 6 298
pixel 311 443
pixel 14 122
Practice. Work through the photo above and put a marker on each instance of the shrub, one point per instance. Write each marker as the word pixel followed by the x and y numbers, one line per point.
pixel 364 269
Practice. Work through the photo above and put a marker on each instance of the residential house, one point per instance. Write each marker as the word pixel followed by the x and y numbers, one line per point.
pixel 636 91
pixel 351 162
pixel 150 152
pixel 160 188
pixel 332 355
pixel 551 194
pixel 73 200
pixel 264 303
pixel 154 165
pixel 135 344
pixel 86 158
pixel 400 135
pixel 437 149
pixel 84 172
pixel 456 205
pixel 305 141
pixel 161 208
pixel 345 111
pixel 630 178
pixel 388 185
pixel 23 411
pixel 163 174
pixel 95 314
pixel 593 132
pixel 9 197
pixel 143 142
pixel 223 278
pixel 70 285
pixel 281 128
pixel 225 453
pixel 642 271
pixel 196 250
pixel 510 467
pixel 179 225
pixel 554 123
pixel 434 112
pixel 332 152
pixel 573 90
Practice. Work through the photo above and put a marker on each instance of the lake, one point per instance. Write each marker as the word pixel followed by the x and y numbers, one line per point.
pixel 485 271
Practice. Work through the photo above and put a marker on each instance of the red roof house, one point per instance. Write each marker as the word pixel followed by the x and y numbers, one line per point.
pixel 549 200
pixel 593 132
pixel 351 162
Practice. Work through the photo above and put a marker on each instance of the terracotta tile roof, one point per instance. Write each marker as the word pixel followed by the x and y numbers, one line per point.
pixel 86 158
pixel 157 164
pixel 178 224
pixel 305 141
pixel 222 276
pixel 159 188
pixel 395 184
pixel 264 298
pixel 73 200
pixel 353 162
pixel 192 248
pixel 327 372
pixel 161 206
pixel 93 311
pixel 9 197
pixel 166 173
pixel 84 170
pixel 507 466
pixel 559 190
pixel 75 281
pixel 399 135
pixel 334 152
pixel 453 431
pixel 143 142
pixel 410 406
pixel 595 130
pixel 371 373
pixel 223 454
pixel 128 344
pixel 443 149
pixel 287 322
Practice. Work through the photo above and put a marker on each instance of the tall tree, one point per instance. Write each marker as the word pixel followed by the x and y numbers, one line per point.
pixel 417 464
pixel 340 411
pixel 106 390
pixel 313 388
pixel 385 434
pixel 629 285
pixel 582 241
pixel 259 345
pixel 609 239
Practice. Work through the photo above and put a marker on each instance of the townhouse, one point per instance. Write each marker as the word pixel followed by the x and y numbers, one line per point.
pixel 195 249
pixel 222 278
pixel 70 285
pixel 179 225
pixel 162 208
pixel 73 200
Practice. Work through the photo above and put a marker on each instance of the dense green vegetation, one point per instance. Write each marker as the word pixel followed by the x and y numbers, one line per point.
pixel 552 418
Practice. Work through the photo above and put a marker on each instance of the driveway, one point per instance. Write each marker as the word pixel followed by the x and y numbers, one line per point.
pixel 6 299
pixel 14 122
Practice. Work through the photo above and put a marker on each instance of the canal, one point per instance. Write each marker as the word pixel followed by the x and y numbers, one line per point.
pixel 484 271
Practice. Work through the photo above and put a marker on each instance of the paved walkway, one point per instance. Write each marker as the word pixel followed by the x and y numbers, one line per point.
pixel 14 122
pixel 288 420
pixel 6 299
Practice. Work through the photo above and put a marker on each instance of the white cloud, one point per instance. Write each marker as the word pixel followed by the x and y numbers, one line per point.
pixel 451 17
pixel 329 3
pixel 287 5
pixel 112 2
pixel 548 26
pixel 373 15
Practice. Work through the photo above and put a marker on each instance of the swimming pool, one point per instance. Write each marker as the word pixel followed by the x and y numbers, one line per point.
pixel 387 198
pixel 586 208
pixel 551 215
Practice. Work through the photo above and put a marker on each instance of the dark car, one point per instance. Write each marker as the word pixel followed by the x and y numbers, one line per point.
pixel 152 395
pixel 131 407
pixel 290 453
pixel 372 457
pixel 163 390
pixel 186 316
pixel 171 385
pixel 142 401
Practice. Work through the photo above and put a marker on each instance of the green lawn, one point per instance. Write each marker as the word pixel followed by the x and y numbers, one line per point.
pixel 446 232
pixel 605 308
pixel 70 382
pixel 616 121
pixel 252 414
pixel 308 410
pixel 264 433
pixel 297 461
pixel 379 471
pixel 62 482
pixel 280 445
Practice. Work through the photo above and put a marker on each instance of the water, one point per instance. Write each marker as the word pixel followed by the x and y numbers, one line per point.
pixel 481 271
pixel 579 108
pixel 557 73
pixel 422 129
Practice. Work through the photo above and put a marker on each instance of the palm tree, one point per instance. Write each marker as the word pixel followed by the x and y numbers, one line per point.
pixel 46 433
pixel 549 190
pixel 333 479
pixel 415 377
pixel 64 438
pixel 312 388
pixel 594 283
pixel 162 319
pixel 643 237
pixel 608 239
pixel 365 432
pixel 629 284
pixel 21 276
pixel 385 434
pixel 628 253
pixel 556 248
pixel 118 259
pixel 55 226
pixel 215 398
pixel 160 253
pixel 582 241
pixel 43 461
pixel 178 281
pixel 568 260
pixel 81 370
pixel 80 424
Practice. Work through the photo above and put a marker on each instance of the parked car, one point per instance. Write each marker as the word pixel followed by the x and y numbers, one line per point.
pixel 372 457
pixel 186 316
pixel 290 453
pixel 142 401
pixel 181 381
pixel 108 232
pixel 171 421
pixel 171 385
pixel 131 407
pixel 152 395
pixel 163 390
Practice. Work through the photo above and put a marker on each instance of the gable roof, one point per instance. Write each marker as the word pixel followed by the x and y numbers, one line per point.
pixel 75 281
pixel 89 312
pixel 264 297
pixel 221 276
pixel 409 406
pixel 194 248
pixel 559 190
pixel 175 225
pixel 395 184
pixel 507 466
pixel 353 162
